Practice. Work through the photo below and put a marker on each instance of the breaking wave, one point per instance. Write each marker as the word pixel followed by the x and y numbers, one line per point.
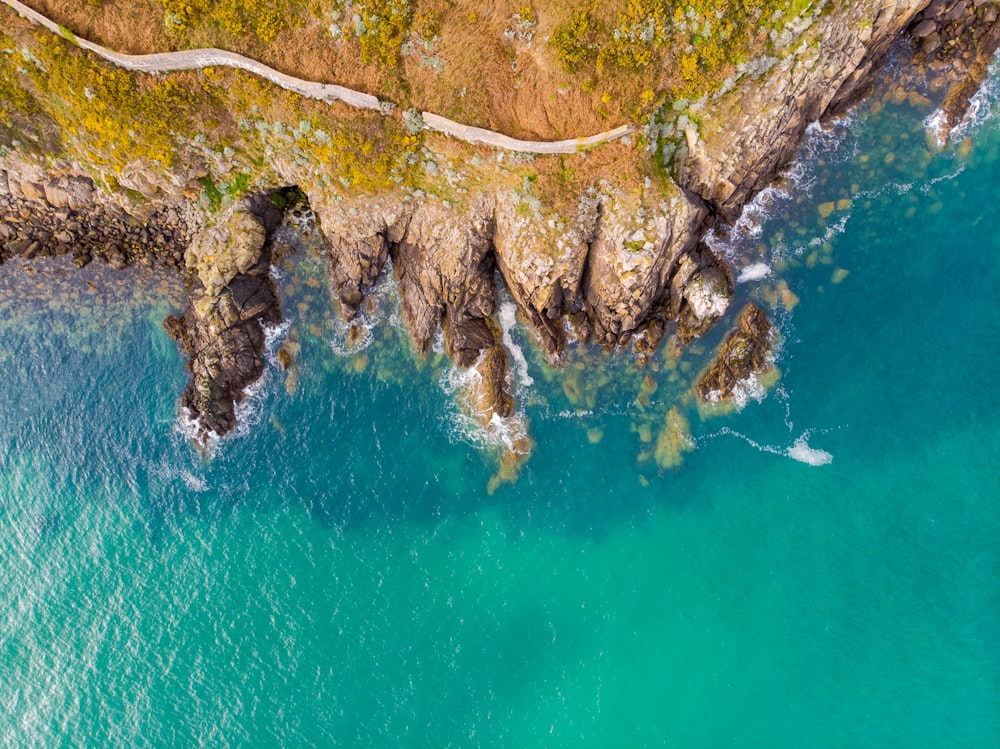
pixel 802 452
pixel 378 308
pixel 508 319
pixel 460 419
pixel 979 111
pixel 740 244
pixel 754 272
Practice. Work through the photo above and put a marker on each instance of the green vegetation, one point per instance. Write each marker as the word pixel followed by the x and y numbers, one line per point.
pixel 650 62
pixel 260 18
pixel 217 193
pixel 102 109
pixel 121 124
pixel 577 41
pixel 383 27
pixel 694 42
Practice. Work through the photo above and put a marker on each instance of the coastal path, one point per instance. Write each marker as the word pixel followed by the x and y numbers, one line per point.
pixel 196 59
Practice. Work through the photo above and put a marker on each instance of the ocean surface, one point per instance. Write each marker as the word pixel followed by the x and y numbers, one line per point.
pixel 822 569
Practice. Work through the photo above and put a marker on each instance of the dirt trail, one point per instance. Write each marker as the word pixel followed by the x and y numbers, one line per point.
pixel 195 59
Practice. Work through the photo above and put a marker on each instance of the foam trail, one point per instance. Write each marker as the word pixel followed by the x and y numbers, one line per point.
pixel 829 233
pixel 740 242
pixel 799 450
pixel 508 318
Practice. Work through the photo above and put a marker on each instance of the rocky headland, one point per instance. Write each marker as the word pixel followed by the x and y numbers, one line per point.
pixel 615 260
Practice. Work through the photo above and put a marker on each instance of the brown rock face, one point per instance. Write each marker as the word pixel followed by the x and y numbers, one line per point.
pixel 65 216
pixel 961 37
pixel 753 132
pixel 357 237
pixel 744 352
pixel 542 259
pixel 634 255
pixel 357 264
pixel 700 290
pixel 231 298
pixel 490 395
pixel 444 264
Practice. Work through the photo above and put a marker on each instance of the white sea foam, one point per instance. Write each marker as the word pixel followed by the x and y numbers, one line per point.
pixel 837 227
pixel 754 272
pixel 934 124
pixel 827 141
pixel 742 242
pixel 508 318
pixel 802 452
pixel 903 188
pixel 277 273
pixel 437 341
pixel 464 426
pixel 273 336
pixel 194 483
pixel 746 390
pixel 379 304
pixel 190 429
pixel 247 411
pixel 979 111
pixel 943 178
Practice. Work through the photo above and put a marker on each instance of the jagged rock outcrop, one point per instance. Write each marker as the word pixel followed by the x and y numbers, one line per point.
pixel 620 265
pixel 231 297
pixel 542 259
pixel 636 250
pixel 445 266
pixel 957 39
pixel 745 352
pixel 444 263
pixel 753 132
pixel 357 236
pixel 700 291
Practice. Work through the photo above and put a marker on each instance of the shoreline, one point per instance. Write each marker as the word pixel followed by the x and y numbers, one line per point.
pixel 626 279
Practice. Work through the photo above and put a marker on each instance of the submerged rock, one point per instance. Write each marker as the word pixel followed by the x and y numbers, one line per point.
pixel 674 440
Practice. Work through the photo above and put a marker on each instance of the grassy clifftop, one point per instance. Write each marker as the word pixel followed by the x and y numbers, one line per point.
pixel 533 69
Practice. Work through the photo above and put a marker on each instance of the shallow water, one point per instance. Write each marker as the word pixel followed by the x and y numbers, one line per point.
pixel 821 570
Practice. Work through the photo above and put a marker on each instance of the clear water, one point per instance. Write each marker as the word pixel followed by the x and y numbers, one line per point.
pixel 338 575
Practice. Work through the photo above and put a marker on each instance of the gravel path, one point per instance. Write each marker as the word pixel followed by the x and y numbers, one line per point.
pixel 204 58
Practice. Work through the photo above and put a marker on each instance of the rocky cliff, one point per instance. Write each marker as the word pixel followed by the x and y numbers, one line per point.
pixel 618 262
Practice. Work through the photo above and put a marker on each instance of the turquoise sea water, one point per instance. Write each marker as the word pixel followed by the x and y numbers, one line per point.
pixel 338 575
